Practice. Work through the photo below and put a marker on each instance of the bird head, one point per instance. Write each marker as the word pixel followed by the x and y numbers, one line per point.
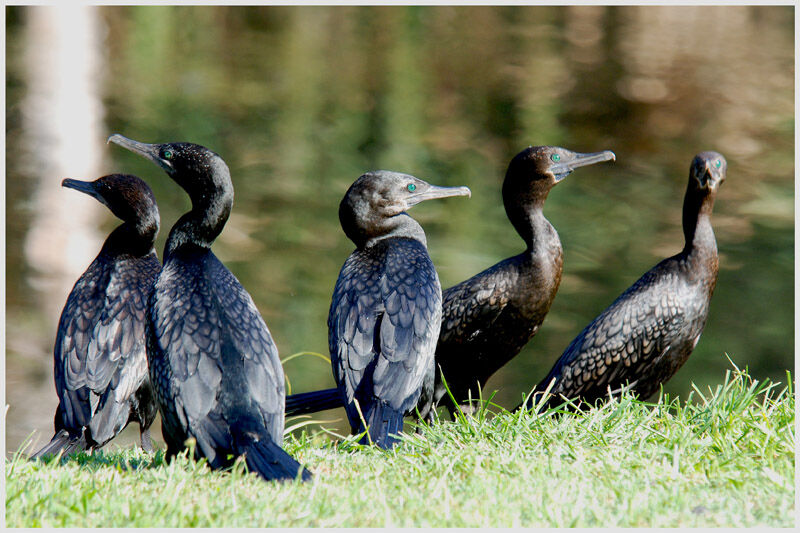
pixel 376 198
pixel 127 196
pixel 708 171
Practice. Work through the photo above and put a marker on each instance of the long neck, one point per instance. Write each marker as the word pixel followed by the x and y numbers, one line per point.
pixel 697 231
pixel 136 239
pixel 203 223
pixel 524 210
pixel 700 250
pixel 400 225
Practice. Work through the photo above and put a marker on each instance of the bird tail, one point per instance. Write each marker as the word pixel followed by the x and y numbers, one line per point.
pixel 271 461
pixel 383 424
pixel 62 442
pixel 108 421
pixel 311 402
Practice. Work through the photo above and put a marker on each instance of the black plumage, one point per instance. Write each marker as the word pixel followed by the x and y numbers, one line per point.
pixel 385 311
pixel 487 319
pixel 213 363
pixel 100 363
pixel 648 333
pixel 314 401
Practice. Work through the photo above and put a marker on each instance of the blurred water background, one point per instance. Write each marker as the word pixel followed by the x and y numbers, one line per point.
pixel 300 101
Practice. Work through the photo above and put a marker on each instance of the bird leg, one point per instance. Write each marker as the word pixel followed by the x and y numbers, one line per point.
pixel 147 442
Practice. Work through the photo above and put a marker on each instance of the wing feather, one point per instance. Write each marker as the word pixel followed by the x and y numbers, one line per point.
pixel 623 341
pixel 100 360
pixel 209 331
pixel 384 321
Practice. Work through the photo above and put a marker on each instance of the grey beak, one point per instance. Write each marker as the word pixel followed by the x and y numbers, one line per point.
pixel 148 151
pixel 435 191
pixel 86 187
pixel 562 169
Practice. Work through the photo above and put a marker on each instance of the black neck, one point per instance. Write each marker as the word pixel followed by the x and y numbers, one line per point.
pixel 524 210
pixel 697 207
pixel 203 224
pixel 133 239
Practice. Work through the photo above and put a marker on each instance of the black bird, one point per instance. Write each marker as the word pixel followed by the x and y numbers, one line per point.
pixel 100 363
pixel 213 364
pixel 487 319
pixel 644 337
pixel 386 307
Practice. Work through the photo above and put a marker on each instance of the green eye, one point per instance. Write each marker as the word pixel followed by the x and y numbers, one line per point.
pixel 412 187
pixel 718 163
pixel 167 154
pixel 555 157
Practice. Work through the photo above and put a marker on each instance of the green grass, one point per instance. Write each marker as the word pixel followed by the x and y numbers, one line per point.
pixel 722 457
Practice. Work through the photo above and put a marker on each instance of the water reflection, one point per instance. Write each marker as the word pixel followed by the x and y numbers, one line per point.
pixel 300 101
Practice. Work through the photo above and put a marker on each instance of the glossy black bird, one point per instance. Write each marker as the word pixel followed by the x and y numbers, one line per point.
pixel 644 337
pixel 487 319
pixel 213 364
pixel 386 307
pixel 100 363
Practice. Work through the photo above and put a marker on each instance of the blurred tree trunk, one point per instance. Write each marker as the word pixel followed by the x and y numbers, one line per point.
pixel 63 137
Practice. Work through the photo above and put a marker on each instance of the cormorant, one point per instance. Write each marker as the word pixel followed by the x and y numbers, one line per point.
pixel 487 319
pixel 386 307
pixel 213 364
pixel 644 337
pixel 100 363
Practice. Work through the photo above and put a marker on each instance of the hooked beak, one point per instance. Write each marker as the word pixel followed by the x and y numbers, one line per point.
pixel 148 151
pixel 563 168
pixel 86 187
pixel 434 192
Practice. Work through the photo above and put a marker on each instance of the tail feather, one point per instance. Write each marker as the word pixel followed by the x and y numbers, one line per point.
pixel 311 402
pixel 109 421
pixel 383 423
pixel 271 461
pixel 62 442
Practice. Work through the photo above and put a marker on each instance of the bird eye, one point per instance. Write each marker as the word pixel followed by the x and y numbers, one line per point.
pixel 167 154
pixel 718 163
pixel 555 157
pixel 412 187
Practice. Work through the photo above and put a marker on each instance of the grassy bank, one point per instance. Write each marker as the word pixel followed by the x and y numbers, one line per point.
pixel 718 458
